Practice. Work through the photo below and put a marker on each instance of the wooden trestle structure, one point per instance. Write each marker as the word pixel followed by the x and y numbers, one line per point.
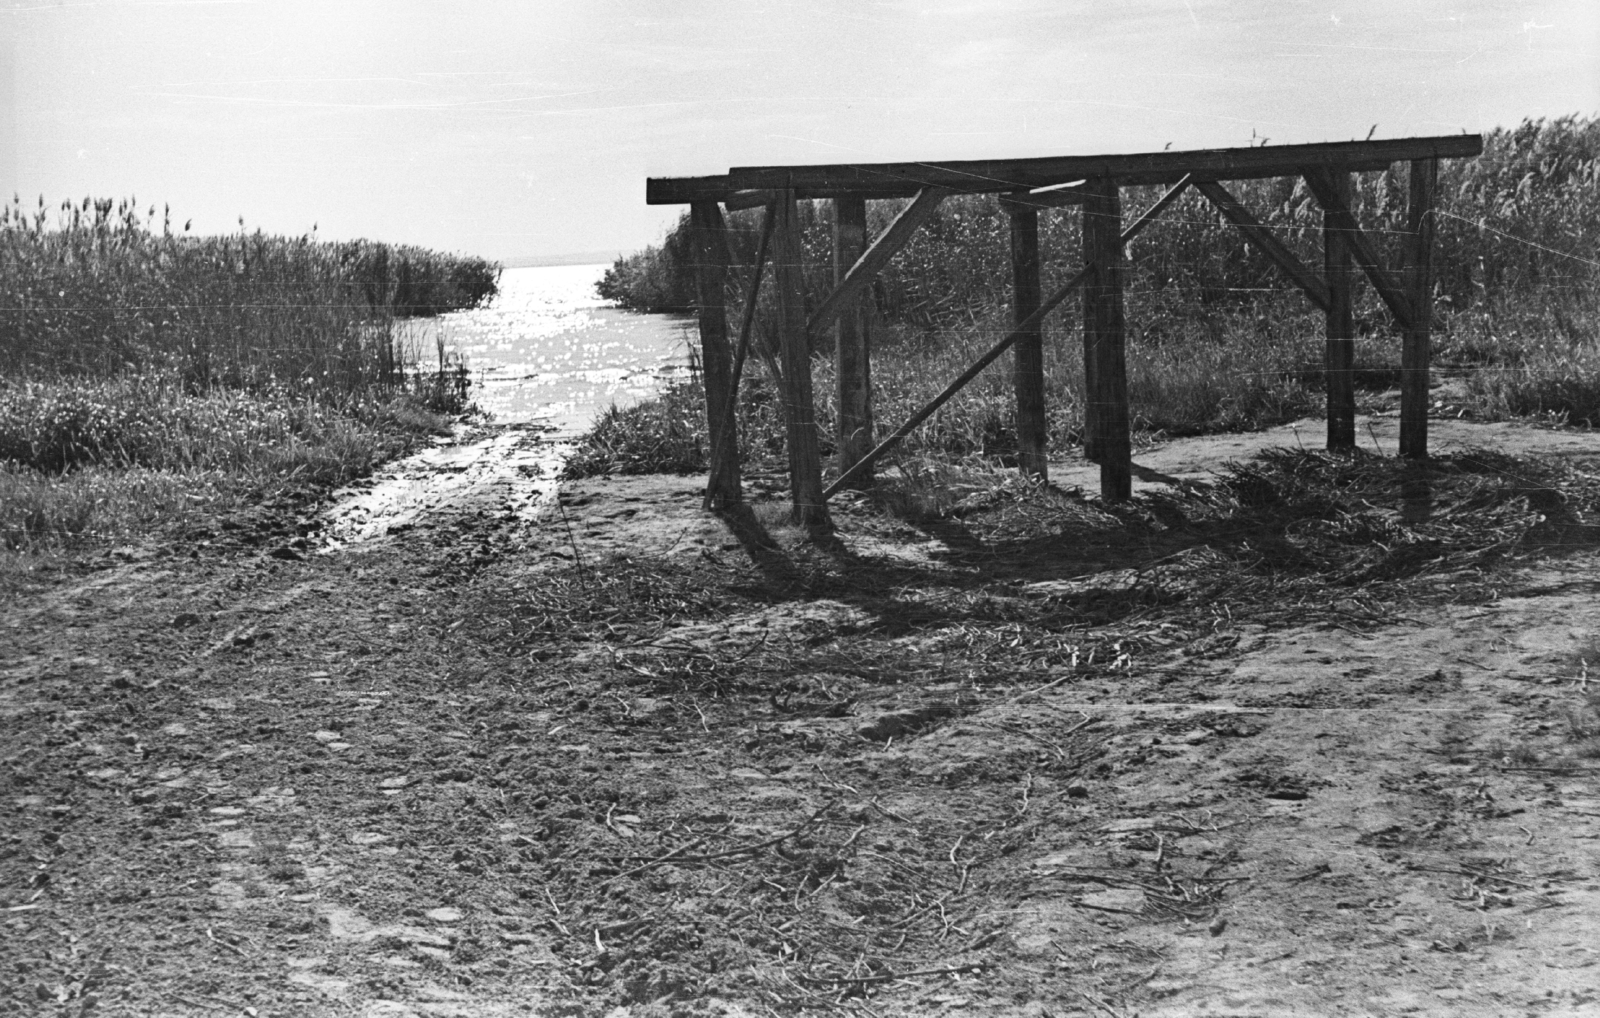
pixel 1025 187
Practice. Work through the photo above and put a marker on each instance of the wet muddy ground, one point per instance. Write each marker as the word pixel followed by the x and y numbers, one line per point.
pixel 615 756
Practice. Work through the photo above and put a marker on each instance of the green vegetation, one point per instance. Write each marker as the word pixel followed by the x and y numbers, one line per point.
pixel 150 375
pixel 1218 340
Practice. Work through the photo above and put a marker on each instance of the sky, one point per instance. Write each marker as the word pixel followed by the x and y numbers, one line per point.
pixel 527 128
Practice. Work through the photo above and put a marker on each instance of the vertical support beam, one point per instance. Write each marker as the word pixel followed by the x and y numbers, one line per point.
pixel 1339 360
pixel 1415 353
pixel 1104 357
pixel 1028 373
pixel 852 342
pixel 710 251
pixel 800 413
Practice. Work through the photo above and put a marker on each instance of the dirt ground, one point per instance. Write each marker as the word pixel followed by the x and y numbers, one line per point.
pixel 596 752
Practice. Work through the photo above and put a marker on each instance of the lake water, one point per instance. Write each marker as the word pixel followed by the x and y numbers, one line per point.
pixel 548 350
pixel 547 353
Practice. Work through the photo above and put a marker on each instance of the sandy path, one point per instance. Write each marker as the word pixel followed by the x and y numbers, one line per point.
pixel 1200 458
pixel 418 776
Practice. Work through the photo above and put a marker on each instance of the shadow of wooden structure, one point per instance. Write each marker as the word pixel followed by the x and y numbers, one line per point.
pixel 1026 187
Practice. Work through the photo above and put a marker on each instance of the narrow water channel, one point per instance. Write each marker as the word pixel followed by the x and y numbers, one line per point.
pixel 550 351
pixel 547 356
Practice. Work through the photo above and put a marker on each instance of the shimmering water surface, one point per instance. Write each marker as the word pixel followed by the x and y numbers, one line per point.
pixel 548 350
pixel 547 353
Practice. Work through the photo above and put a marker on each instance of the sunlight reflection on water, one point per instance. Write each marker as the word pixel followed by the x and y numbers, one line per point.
pixel 548 350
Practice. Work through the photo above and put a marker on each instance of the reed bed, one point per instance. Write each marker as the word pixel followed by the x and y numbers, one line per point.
pixel 150 375
pixel 1249 377
pixel 103 290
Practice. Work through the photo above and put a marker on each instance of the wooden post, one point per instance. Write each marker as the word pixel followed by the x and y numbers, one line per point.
pixel 710 252
pixel 1031 324
pixel 860 275
pixel 1414 353
pixel 1339 360
pixel 852 342
pixel 1028 374
pixel 1104 359
pixel 800 414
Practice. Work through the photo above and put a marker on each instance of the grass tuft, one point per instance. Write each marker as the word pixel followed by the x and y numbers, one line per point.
pixel 84 461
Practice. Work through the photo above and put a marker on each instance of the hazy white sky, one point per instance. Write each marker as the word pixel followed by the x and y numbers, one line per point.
pixel 510 127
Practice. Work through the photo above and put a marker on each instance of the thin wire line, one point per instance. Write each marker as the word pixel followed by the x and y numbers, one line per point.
pixel 1521 240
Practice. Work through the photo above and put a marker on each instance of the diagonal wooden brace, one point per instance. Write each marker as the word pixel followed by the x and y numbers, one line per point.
pixel 1149 216
pixel 747 320
pixel 876 257
pixel 1361 246
pixel 1262 238
pixel 1023 328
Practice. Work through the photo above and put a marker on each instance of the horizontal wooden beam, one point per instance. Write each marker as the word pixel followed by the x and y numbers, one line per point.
pixel 1361 246
pixel 876 257
pixel 749 200
pixel 1065 198
pixel 996 175
pixel 1269 244
pixel 686 190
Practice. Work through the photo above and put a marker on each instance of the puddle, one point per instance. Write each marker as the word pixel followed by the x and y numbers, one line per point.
pixel 548 356
pixel 511 472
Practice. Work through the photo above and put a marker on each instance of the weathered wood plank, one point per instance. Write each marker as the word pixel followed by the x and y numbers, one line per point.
pixel 1104 356
pixel 994 175
pixel 1261 237
pixel 1150 214
pixel 1064 199
pixel 873 260
pixel 852 341
pixel 1339 363
pixel 747 198
pixel 1028 351
pixel 1415 353
pixel 740 200
pixel 1361 246
pixel 709 244
pixel 800 415
pixel 686 190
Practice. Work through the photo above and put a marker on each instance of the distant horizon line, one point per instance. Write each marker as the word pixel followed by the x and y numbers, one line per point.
pixel 606 255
